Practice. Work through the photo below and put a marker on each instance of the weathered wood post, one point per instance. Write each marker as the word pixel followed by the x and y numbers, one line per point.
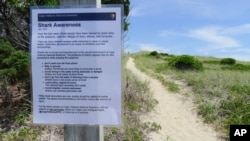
pixel 86 132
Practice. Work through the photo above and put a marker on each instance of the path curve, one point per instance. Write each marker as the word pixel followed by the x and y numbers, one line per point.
pixel 175 114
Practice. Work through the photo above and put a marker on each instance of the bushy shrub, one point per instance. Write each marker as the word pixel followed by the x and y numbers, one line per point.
pixel 227 61
pixel 14 63
pixel 185 62
pixel 154 53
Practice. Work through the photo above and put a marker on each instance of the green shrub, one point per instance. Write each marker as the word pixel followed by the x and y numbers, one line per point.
pixel 185 62
pixel 154 53
pixel 5 50
pixel 227 61
pixel 13 63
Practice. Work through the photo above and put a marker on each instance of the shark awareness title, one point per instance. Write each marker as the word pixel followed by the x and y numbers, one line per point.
pixel 59 25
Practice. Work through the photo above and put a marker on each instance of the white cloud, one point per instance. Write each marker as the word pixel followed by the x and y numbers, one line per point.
pixel 185 20
pixel 241 29
pixel 214 40
pixel 152 47
pixel 214 36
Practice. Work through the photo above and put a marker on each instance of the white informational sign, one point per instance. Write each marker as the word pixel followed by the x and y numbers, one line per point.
pixel 76 65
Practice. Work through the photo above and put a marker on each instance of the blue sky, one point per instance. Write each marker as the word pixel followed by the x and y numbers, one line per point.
pixel 219 28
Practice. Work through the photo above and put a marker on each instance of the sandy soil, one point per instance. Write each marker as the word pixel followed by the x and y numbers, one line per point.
pixel 175 113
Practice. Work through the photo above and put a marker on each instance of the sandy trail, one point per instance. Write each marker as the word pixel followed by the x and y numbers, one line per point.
pixel 175 114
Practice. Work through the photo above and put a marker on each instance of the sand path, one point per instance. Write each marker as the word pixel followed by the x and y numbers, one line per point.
pixel 175 113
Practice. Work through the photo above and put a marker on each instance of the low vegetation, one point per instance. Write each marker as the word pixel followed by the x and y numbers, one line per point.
pixel 221 90
pixel 15 96
pixel 220 87
pixel 15 103
pixel 137 102
pixel 239 67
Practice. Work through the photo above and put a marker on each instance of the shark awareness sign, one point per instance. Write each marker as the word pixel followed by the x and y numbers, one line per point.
pixel 76 58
